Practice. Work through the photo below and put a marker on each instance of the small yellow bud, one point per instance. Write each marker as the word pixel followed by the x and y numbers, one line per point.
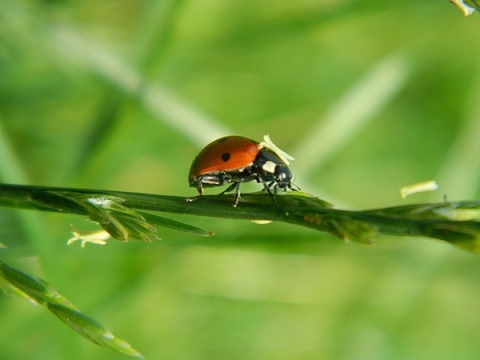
pixel 418 187
pixel 98 237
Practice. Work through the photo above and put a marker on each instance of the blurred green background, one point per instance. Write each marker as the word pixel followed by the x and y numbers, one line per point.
pixel 121 94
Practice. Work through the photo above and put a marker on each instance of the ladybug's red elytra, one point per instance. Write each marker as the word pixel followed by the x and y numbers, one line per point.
pixel 237 159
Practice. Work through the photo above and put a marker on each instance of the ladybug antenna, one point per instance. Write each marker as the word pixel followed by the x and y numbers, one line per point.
pixel 268 144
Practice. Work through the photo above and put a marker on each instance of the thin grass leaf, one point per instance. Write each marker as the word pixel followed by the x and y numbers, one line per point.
pixel 92 330
pixel 32 288
pixel 175 225
pixel 11 290
pixel 346 229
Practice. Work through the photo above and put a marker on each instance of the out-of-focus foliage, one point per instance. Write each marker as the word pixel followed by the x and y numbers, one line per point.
pixel 368 96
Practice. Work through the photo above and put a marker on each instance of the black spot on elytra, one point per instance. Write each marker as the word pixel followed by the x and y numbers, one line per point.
pixel 226 156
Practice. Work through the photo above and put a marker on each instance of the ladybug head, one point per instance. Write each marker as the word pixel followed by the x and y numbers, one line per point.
pixel 283 176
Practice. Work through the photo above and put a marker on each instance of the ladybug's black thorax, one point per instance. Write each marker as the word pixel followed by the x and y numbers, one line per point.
pixel 270 169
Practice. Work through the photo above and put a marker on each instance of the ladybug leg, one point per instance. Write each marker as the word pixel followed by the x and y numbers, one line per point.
pixel 231 188
pixel 200 192
pixel 267 187
pixel 237 194
pixel 234 187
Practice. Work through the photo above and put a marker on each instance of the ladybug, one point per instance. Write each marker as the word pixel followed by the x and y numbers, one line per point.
pixel 237 159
